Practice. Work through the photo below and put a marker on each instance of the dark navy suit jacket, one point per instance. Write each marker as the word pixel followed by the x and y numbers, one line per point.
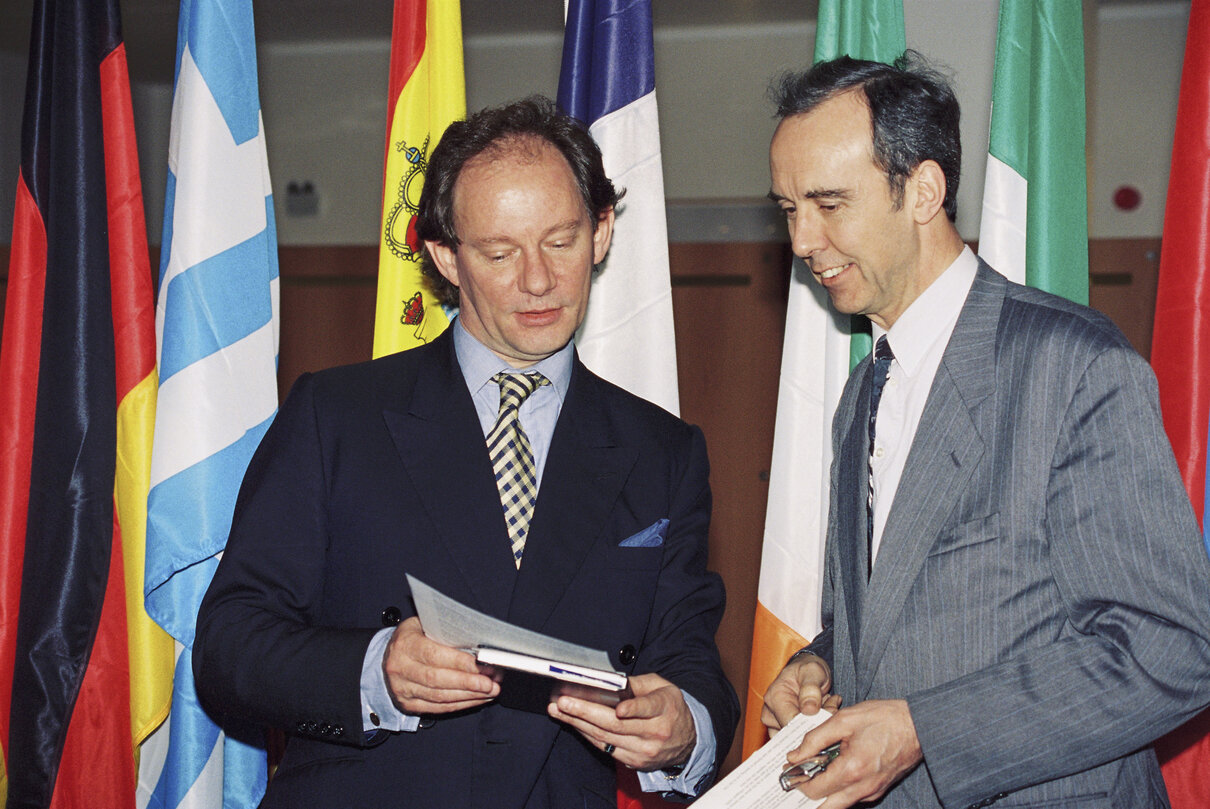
pixel 375 470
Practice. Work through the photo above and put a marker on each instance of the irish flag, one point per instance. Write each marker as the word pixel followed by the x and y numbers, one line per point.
pixel 426 92
pixel 1035 211
pixel 815 362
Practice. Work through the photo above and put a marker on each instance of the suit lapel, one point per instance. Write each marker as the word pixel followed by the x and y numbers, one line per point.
pixel 440 443
pixel 944 454
pixel 584 474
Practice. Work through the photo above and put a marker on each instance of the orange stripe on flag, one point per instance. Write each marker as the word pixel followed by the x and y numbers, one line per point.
pixel 772 644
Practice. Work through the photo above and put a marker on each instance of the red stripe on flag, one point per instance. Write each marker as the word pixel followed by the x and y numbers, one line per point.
pixel 408 33
pixel 97 764
pixel 129 264
pixel 18 403
pixel 1180 351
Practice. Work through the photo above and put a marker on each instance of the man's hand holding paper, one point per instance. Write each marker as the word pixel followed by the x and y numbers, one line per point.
pixel 653 730
pixel 427 677
pixel 803 686
pixel 878 746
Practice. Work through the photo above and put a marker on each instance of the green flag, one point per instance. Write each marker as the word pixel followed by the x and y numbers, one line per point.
pixel 869 29
pixel 1035 200
pixel 872 29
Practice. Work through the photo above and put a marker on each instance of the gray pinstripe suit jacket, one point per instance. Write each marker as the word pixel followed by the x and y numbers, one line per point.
pixel 1042 595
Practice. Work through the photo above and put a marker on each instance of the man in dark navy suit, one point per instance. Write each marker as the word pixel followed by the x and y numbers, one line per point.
pixel 381 469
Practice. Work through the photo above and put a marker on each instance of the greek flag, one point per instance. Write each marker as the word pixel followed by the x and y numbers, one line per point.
pixel 217 336
pixel 607 81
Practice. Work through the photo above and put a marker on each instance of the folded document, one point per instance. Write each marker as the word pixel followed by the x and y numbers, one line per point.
pixel 499 643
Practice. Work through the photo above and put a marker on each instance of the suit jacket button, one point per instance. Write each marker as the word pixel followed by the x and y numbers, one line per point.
pixel 391 616
pixel 339 730
pixel 428 721
pixel 626 655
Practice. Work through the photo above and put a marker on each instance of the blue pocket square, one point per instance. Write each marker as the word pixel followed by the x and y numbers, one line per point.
pixel 650 537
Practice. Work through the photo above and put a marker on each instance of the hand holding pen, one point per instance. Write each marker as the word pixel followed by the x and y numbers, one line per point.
pixel 796 774
pixel 856 755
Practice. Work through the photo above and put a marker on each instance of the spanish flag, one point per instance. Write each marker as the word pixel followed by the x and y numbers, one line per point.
pixel 427 92
pixel 84 674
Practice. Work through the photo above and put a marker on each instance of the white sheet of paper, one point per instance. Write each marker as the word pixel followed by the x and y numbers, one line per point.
pixel 451 622
pixel 754 784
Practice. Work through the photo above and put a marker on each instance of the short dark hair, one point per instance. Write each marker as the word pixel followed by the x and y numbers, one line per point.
pixel 498 128
pixel 913 113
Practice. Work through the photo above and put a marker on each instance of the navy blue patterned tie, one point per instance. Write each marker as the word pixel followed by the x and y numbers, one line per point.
pixel 512 457
pixel 882 365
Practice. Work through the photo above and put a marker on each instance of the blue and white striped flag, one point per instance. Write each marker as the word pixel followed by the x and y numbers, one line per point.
pixel 608 81
pixel 217 336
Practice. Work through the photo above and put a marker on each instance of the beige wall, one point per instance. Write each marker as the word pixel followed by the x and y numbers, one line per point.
pixel 325 109
pixel 1139 50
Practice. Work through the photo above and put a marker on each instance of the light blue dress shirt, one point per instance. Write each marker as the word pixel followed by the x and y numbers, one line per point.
pixel 539 414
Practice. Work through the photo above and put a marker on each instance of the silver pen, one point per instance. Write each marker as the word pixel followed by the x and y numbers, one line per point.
pixel 794 775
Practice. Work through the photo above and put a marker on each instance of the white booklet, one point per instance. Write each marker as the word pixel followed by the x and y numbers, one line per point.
pixel 499 643
pixel 754 784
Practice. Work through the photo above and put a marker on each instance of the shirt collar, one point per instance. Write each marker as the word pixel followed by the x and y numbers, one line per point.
pixel 932 315
pixel 479 364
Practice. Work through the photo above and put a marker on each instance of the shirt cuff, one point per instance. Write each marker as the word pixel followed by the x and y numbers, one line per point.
pixel 699 770
pixel 378 711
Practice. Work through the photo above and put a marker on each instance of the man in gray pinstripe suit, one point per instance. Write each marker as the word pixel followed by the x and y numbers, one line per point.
pixel 1017 598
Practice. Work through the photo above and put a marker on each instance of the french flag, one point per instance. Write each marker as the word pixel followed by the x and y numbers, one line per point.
pixel 608 82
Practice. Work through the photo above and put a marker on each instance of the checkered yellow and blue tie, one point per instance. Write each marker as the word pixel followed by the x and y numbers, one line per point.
pixel 512 457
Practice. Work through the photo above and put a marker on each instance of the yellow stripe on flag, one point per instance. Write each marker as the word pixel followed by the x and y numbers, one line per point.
pixel 150 648
pixel 407 314
pixel 772 644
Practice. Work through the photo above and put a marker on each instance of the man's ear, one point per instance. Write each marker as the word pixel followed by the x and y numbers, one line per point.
pixel 443 256
pixel 927 191
pixel 602 236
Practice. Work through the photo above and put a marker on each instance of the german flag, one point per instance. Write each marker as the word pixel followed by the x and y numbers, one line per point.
pixel 425 93
pixel 84 674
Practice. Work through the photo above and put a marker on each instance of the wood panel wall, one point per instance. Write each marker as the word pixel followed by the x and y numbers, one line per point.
pixel 729 302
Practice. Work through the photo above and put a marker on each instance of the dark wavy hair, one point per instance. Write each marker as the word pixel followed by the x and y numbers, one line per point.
pixel 913 111
pixel 498 129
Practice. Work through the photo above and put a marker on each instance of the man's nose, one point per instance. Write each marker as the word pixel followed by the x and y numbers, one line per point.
pixel 537 273
pixel 806 235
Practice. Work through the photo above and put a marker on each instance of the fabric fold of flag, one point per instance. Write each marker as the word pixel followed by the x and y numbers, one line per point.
pixel 1035 202
pixel 217 330
pixel 425 93
pixel 1180 350
pixel 83 671
pixel 818 351
pixel 607 80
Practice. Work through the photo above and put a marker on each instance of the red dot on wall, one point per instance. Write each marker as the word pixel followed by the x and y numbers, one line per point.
pixel 1127 198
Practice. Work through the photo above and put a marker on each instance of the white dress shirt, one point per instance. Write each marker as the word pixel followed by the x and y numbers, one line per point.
pixel 918 340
